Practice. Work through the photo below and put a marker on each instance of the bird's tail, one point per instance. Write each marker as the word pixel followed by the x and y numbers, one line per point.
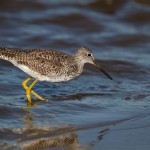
pixel 7 53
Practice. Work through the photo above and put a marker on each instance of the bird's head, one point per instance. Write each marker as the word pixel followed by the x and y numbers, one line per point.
pixel 84 55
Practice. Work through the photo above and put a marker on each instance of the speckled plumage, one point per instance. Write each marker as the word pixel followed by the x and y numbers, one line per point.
pixel 49 65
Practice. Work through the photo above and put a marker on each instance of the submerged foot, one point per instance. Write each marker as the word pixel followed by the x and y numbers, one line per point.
pixel 30 105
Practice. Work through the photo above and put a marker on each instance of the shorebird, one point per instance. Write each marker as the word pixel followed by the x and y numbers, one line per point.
pixel 48 65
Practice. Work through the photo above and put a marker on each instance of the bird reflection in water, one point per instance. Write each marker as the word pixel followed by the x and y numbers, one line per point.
pixel 45 137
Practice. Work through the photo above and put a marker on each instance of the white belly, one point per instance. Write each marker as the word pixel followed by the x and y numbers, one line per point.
pixel 37 75
pixel 40 77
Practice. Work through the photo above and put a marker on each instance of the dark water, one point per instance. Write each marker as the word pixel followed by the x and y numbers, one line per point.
pixel 90 112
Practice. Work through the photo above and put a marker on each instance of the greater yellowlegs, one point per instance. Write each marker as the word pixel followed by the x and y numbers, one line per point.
pixel 48 65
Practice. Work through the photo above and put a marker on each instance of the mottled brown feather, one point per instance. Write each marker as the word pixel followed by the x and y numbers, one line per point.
pixel 45 62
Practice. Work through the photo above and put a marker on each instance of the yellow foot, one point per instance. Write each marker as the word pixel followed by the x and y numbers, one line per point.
pixel 37 96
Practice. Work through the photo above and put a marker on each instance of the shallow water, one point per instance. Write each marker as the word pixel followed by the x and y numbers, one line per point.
pixel 91 111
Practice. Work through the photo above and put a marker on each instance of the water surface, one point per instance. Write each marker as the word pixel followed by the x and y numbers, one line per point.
pixel 90 112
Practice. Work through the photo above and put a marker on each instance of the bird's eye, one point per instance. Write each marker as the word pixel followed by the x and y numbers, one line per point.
pixel 89 54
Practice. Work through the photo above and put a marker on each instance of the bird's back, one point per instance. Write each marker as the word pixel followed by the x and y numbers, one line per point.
pixel 41 63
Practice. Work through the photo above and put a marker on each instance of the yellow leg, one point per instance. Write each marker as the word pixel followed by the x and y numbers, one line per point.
pixel 28 91
pixel 24 84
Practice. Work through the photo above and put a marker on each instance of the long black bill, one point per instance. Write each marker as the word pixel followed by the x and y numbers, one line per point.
pixel 102 70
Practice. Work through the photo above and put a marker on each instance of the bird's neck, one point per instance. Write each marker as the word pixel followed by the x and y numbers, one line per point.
pixel 80 63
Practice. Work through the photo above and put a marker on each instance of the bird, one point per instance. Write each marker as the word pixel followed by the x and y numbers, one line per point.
pixel 48 65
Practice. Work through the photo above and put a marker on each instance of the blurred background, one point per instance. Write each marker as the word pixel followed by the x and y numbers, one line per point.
pixel 89 112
